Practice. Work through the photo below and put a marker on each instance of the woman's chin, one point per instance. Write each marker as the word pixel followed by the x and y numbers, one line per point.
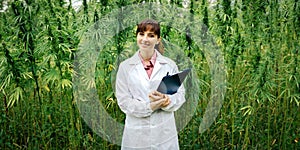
pixel 146 49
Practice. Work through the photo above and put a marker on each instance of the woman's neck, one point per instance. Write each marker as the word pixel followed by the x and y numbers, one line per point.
pixel 146 55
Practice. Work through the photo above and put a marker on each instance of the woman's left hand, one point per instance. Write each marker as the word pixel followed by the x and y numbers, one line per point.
pixel 167 101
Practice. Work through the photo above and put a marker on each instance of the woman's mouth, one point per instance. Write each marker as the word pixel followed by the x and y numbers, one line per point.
pixel 144 44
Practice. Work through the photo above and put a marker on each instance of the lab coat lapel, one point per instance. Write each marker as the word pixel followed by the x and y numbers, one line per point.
pixel 136 61
pixel 158 64
pixel 156 68
pixel 142 72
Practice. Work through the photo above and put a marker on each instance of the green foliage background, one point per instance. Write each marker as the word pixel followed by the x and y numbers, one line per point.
pixel 259 40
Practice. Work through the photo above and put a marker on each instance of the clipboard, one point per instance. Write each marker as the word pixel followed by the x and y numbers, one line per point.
pixel 171 83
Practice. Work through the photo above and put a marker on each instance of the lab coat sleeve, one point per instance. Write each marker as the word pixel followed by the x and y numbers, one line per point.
pixel 176 99
pixel 126 101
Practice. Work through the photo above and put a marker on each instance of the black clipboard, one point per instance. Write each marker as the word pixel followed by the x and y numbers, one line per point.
pixel 170 83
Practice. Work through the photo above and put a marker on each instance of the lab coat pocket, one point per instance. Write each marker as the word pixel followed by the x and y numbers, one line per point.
pixel 136 137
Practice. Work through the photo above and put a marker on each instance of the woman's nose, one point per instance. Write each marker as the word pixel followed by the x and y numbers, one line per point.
pixel 145 38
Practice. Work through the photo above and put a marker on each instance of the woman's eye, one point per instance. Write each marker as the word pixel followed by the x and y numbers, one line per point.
pixel 141 33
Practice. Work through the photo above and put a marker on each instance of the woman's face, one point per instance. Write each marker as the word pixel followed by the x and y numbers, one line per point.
pixel 146 41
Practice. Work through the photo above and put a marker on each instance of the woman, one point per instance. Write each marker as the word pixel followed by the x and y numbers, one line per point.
pixel 150 122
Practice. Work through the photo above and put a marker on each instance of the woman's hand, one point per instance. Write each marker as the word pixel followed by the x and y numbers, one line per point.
pixel 158 100
pixel 155 96
pixel 167 101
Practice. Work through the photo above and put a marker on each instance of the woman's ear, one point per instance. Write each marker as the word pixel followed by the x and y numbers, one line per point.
pixel 158 41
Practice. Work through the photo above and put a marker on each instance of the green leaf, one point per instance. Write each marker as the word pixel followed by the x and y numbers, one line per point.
pixel 66 83
pixel 16 96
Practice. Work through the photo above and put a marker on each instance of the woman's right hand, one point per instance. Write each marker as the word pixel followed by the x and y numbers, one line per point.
pixel 158 100
pixel 155 96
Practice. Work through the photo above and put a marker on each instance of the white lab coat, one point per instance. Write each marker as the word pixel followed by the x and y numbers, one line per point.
pixel 144 128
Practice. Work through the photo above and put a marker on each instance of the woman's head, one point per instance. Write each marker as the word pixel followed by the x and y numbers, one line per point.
pixel 149 25
pixel 148 35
